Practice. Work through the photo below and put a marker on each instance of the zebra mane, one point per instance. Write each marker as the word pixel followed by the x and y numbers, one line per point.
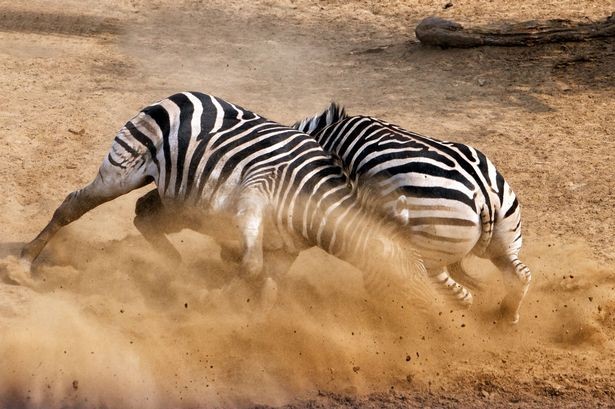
pixel 314 124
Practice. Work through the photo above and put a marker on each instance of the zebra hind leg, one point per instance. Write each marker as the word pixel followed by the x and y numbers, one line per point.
pixel 517 277
pixel 451 289
pixel 108 184
pixel 459 274
pixel 153 222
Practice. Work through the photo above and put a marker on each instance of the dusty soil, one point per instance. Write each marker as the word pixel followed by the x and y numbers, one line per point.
pixel 108 323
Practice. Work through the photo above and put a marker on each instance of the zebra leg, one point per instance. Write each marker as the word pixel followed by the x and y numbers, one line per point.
pixel 451 289
pixel 517 278
pixel 459 274
pixel 153 222
pixel 288 242
pixel 251 211
pixel 250 215
pixel 274 238
pixel 110 183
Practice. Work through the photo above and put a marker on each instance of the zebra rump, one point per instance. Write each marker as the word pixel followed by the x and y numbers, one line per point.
pixel 448 196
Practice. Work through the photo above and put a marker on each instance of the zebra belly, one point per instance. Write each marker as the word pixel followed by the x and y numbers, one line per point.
pixel 213 212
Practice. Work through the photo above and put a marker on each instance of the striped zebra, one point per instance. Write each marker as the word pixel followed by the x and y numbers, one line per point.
pixel 449 196
pixel 212 160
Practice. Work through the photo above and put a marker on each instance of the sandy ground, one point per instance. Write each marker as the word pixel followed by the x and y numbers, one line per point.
pixel 109 323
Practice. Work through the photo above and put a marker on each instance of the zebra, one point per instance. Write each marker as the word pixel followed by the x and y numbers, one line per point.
pixel 213 160
pixel 449 196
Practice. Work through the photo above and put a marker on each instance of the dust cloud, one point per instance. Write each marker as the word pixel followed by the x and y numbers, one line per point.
pixel 108 322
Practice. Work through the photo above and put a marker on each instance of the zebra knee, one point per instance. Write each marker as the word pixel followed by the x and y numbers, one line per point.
pixel 511 266
pixel 148 204
pixel 152 215
pixel 523 273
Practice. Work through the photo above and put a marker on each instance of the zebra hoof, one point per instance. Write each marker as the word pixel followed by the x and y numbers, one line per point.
pixel 27 256
pixel 463 297
pixel 508 313
pixel 252 270
pixel 467 301
pixel 26 263
pixel 512 320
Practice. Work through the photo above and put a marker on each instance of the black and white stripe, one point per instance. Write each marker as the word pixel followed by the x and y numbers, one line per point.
pixel 449 196
pixel 211 158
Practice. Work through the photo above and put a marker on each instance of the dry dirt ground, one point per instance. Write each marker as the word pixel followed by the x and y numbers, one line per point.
pixel 107 323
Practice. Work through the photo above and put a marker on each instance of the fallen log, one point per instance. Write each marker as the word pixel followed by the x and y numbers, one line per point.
pixel 446 33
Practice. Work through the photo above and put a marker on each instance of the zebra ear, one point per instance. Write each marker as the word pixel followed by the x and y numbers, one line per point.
pixel 401 210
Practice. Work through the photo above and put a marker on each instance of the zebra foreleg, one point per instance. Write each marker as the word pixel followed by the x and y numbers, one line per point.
pixel 517 277
pixel 153 222
pixel 251 211
pixel 250 218
pixel 274 239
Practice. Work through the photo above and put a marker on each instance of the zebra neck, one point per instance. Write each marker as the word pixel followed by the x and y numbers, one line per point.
pixel 346 230
pixel 332 137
